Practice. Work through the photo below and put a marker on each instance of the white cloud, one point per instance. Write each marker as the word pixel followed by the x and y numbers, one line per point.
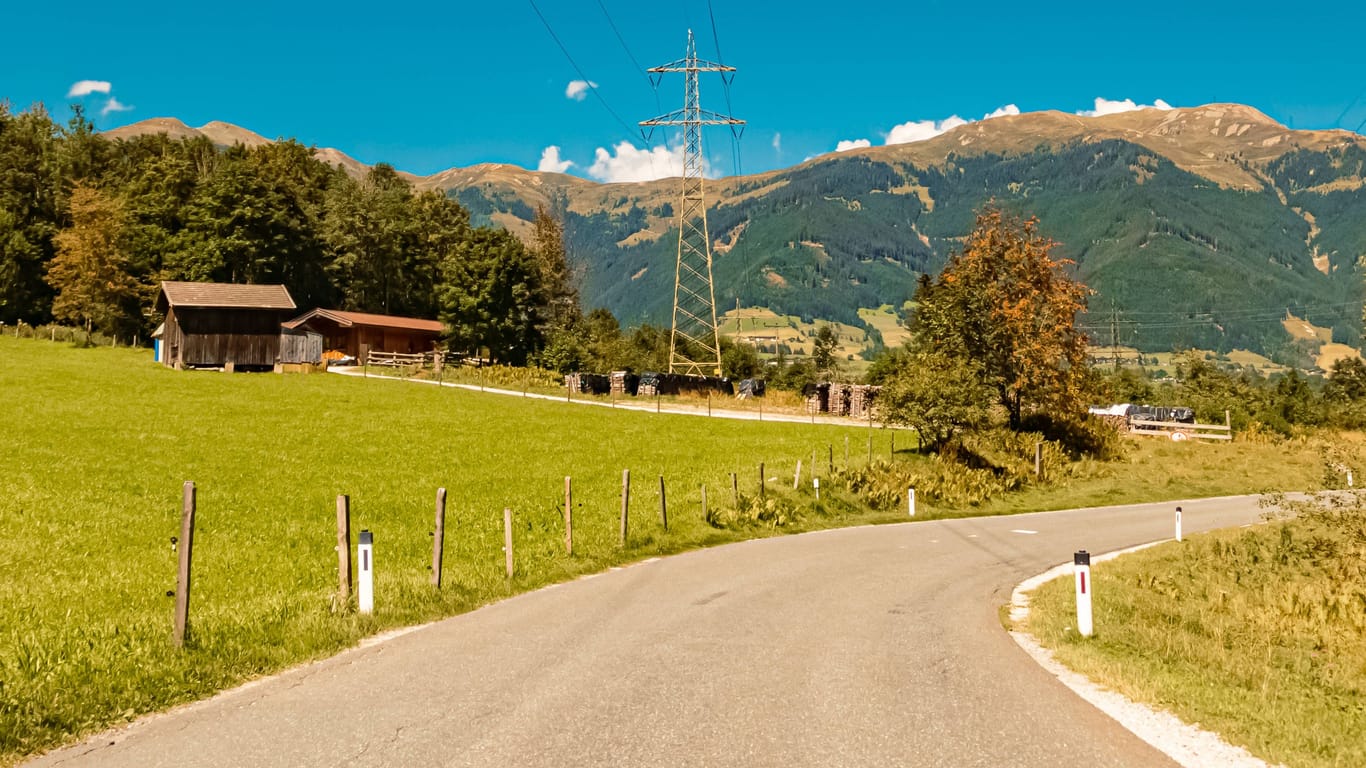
pixel 628 163
pixel 1108 107
pixel 778 143
pixel 922 129
pixel 578 89
pixel 551 162
pixel 113 105
pixel 86 87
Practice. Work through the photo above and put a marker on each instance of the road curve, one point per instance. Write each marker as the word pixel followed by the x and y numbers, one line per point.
pixel 874 646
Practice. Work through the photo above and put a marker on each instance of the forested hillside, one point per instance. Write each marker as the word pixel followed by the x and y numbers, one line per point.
pixel 1256 221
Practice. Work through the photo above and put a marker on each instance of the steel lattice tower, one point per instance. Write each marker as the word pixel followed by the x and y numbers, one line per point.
pixel 694 341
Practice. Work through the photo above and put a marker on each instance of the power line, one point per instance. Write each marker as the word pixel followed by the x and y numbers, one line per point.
pixel 634 63
pixel 725 86
pixel 591 85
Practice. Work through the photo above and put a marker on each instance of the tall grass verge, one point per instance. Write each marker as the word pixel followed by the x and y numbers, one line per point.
pixel 1258 634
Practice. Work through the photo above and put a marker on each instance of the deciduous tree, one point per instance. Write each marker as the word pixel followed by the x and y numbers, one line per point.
pixel 90 270
pixel 1007 308
pixel 936 395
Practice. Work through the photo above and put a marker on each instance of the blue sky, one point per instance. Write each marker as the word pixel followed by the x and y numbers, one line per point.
pixel 429 86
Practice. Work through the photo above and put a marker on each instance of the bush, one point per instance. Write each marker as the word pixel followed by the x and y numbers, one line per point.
pixel 772 511
pixel 1085 437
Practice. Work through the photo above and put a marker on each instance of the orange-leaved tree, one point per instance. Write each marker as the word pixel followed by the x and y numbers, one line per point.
pixel 1008 308
pixel 90 272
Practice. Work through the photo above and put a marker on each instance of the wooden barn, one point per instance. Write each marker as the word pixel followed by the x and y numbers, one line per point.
pixel 353 332
pixel 221 325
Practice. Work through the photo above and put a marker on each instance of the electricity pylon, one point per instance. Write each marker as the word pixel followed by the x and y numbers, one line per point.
pixel 694 341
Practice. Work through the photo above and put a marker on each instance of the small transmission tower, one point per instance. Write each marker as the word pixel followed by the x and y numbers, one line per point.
pixel 694 342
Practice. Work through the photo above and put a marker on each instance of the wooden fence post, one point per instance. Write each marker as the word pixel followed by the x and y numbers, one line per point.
pixel 734 489
pixel 762 481
pixel 891 452
pixel 439 537
pixel 182 591
pixel 625 502
pixel 663 506
pixel 343 551
pixel 1038 460
pixel 704 502
pixel 568 515
pixel 507 539
pixel 831 467
pixel 797 477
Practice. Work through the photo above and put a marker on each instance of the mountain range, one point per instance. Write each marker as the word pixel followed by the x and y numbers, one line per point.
pixel 1195 227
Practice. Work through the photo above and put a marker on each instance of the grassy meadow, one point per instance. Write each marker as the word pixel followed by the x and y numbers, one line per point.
pixel 1258 634
pixel 97 443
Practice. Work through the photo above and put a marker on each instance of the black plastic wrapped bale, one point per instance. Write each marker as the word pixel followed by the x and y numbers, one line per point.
pixel 817 397
pixel 649 384
pixel 751 388
pixel 596 383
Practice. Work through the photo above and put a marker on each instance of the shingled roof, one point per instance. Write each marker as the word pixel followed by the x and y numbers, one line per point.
pixel 223 295
pixel 352 319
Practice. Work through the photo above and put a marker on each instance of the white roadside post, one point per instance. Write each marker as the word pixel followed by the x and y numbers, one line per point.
pixel 365 557
pixel 910 500
pixel 1081 566
pixel 1178 523
pixel 816 483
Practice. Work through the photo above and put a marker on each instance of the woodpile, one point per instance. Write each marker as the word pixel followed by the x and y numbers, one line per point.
pixel 624 383
pixel 861 400
pixel 840 395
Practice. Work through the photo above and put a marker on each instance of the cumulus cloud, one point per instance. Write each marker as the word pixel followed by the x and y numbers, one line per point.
pixel 86 87
pixel 778 143
pixel 113 105
pixel 551 162
pixel 578 89
pixel 625 162
pixel 846 145
pixel 1108 107
pixel 919 130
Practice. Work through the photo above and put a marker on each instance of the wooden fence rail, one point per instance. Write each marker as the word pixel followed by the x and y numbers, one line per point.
pixel 1172 429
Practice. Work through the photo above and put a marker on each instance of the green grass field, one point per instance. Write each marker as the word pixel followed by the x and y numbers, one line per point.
pixel 1257 634
pixel 97 443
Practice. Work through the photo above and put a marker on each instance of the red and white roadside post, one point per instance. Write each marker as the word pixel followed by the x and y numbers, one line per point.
pixel 1081 567
pixel 365 571
pixel 1178 523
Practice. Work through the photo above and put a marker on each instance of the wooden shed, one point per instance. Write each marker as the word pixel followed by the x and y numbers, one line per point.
pixel 350 332
pixel 222 325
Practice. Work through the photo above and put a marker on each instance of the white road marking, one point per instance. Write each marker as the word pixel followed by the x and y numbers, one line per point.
pixel 1024 531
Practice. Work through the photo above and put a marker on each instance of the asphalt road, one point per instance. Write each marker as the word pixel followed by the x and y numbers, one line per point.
pixel 878 646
